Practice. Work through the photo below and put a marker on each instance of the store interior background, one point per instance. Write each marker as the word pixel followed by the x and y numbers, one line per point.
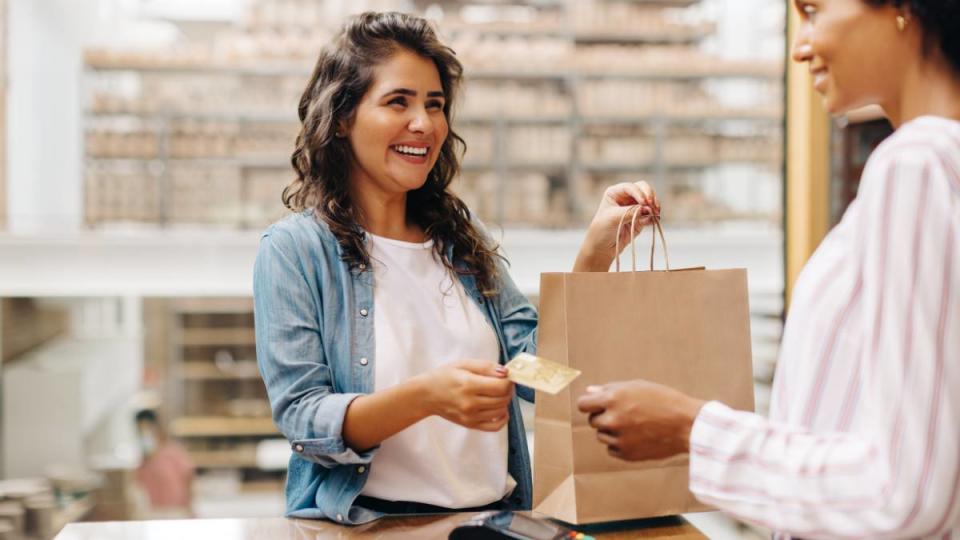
pixel 146 144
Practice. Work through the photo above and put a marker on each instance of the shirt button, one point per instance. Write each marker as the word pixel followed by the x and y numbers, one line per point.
pixel 339 517
pixel 364 312
pixel 362 267
pixel 363 361
pixel 361 469
pixel 298 448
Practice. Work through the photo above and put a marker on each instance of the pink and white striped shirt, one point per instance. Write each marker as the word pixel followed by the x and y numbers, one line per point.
pixel 863 439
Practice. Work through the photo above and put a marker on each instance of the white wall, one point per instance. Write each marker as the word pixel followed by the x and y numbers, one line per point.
pixel 44 144
pixel 45 108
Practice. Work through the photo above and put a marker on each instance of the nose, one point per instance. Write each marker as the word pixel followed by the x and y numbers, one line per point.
pixel 802 50
pixel 421 122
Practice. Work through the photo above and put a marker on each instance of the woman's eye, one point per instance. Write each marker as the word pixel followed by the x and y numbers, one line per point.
pixel 398 101
pixel 436 105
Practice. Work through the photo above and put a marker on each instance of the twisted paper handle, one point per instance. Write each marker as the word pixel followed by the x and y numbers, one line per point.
pixel 633 245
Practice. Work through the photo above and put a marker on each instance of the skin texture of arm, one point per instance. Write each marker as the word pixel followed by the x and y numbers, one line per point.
pixel 472 393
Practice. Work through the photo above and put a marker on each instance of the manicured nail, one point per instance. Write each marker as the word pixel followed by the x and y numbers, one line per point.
pixel 593 388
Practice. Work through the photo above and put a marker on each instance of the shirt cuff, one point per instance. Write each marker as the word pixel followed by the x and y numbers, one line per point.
pixel 329 449
pixel 706 435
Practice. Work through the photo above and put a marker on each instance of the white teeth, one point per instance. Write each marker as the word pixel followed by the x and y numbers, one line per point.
pixel 411 150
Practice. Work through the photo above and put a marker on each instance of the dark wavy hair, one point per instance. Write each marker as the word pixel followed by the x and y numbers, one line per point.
pixel 940 21
pixel 322 160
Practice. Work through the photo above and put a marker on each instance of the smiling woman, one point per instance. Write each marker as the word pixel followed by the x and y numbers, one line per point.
pixel 867 52
pixel 383 311
pixel 862 439
pixel 397 132
pixel 356 110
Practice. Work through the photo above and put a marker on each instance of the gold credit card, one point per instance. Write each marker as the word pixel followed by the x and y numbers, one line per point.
pixel 540 373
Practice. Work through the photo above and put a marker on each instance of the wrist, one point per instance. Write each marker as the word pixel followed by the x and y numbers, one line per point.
pixel 590 259
pixel 690 410
pixel 424 395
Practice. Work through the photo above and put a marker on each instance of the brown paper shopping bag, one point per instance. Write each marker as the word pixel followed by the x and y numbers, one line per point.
pixel 688 329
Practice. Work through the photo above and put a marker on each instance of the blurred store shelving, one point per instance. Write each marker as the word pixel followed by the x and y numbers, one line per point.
pixel 562 99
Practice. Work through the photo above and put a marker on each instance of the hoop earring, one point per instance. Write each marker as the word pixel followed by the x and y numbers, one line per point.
pixel 901 23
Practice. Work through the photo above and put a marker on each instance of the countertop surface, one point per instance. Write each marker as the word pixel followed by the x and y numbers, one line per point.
pixel 421 527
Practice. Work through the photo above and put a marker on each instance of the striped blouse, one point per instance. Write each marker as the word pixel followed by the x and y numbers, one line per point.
pixel 863 439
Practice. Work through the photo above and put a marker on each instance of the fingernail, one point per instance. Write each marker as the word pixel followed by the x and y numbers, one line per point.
pixel 593 388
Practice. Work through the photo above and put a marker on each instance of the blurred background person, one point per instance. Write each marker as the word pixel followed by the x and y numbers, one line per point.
pixel 166 472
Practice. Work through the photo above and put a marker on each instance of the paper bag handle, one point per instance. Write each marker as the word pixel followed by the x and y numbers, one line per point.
pixel 657 228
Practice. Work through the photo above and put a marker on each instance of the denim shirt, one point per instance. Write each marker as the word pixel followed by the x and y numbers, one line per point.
pixel 315 349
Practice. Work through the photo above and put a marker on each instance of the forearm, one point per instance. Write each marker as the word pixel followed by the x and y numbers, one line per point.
pixel 373 418
pixel 832 484
pixel 591 259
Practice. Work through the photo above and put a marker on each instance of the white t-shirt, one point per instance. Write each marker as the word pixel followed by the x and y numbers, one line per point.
pixel 423 318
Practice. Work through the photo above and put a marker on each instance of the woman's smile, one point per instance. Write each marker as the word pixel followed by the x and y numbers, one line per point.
pixel 820 79
pixel 416 153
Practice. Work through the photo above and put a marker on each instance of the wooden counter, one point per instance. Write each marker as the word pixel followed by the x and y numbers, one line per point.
pixel 420 527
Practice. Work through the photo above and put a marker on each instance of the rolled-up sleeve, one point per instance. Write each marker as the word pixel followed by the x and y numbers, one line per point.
pixel 291 358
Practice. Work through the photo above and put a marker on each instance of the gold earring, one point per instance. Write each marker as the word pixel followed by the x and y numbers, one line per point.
pixel 901 23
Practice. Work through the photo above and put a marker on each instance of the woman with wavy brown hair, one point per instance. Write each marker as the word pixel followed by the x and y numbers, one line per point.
pixel 384 313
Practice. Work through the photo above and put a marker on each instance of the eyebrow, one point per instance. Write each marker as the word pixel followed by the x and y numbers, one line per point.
pixel 413 93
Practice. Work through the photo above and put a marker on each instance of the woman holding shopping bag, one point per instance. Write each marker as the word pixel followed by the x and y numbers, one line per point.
pixel 383 311
pixel 863 439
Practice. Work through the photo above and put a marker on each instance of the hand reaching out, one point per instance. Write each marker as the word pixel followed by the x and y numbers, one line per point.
pixel 639 420
pixel 472 393
pixel 619 201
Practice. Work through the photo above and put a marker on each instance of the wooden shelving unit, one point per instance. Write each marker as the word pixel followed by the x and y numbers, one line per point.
pixel 221 426
pixel 224 459
pixel 215 396
pixel 212 337
pixel 203 371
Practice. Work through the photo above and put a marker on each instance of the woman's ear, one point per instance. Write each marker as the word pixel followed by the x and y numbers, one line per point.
pixel 343 129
